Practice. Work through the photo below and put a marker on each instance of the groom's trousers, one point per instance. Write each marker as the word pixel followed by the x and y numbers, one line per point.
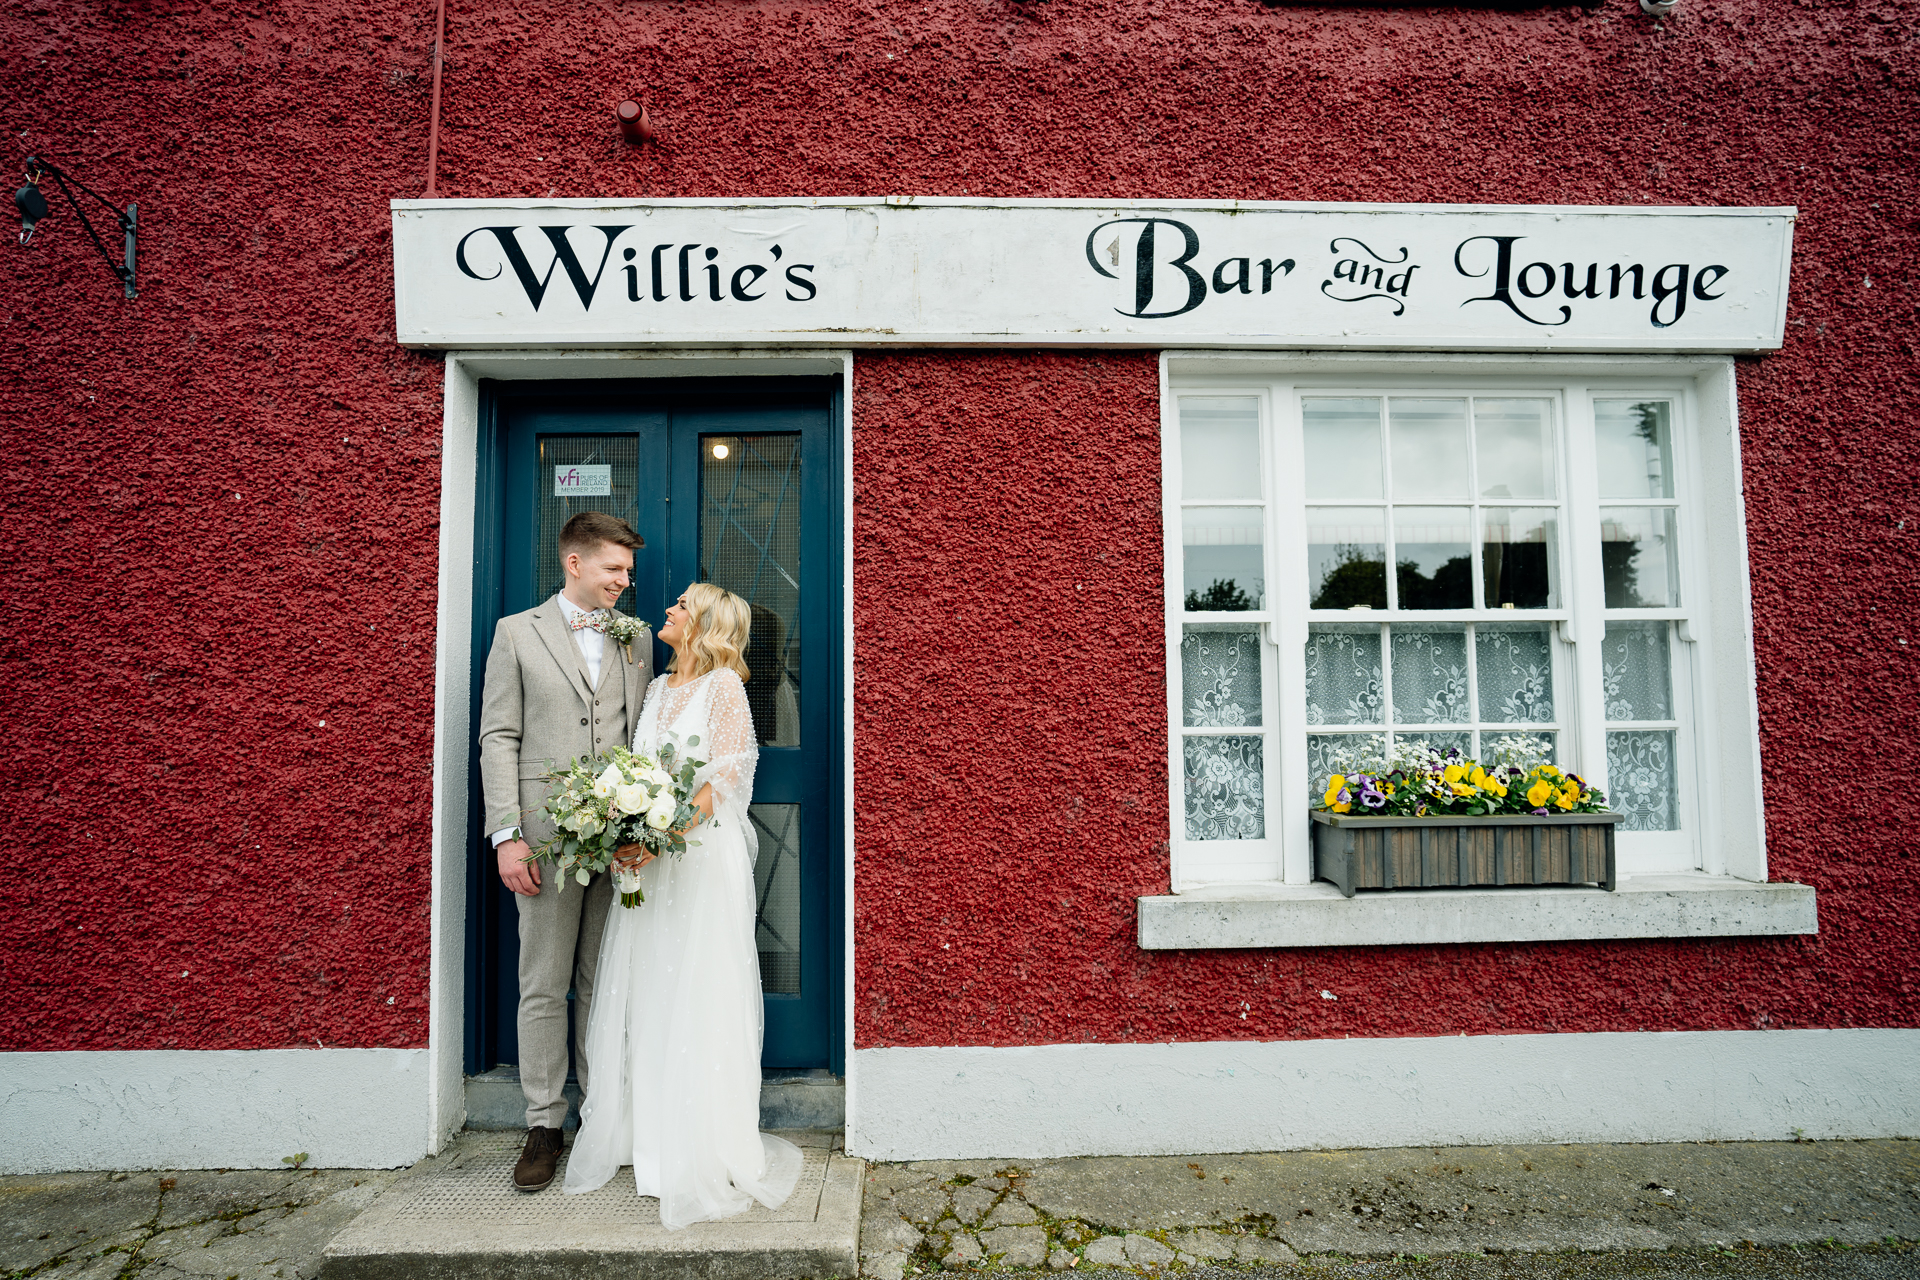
pixel 560 933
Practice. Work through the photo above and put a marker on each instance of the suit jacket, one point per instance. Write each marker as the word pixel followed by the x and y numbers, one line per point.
pixel 538 710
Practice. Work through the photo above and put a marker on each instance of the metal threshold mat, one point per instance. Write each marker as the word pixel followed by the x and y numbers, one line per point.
pixel 457 1214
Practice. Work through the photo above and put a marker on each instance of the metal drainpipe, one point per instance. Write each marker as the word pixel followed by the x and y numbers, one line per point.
pixel 433 129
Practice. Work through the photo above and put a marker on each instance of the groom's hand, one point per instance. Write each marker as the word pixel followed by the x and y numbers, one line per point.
pixel 516 872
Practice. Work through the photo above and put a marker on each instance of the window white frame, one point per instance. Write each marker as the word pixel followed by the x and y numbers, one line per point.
pixel 1723 831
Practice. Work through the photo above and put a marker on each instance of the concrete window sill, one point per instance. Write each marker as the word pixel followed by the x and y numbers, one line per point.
pixel 1315 915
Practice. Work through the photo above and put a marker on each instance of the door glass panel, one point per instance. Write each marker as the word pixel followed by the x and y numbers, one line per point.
pixel 776 896
pixel 1219 447
pixel 750 544
pixel 595 473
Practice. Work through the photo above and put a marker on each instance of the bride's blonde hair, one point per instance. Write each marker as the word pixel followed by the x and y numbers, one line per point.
pixel 719 622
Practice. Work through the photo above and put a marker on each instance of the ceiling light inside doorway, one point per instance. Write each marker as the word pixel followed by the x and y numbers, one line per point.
pixel 720 451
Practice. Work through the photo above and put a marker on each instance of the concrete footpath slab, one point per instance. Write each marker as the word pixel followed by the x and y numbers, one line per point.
pixel 1146 1213
pixel 459 1216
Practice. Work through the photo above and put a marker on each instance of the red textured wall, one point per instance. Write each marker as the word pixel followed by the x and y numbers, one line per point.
pixel 263 141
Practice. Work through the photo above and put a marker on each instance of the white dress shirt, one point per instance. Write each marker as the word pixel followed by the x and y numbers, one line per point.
pixel 593 647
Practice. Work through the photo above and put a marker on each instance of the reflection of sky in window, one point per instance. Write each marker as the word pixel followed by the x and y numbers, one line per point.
pixel 1429 439
pixel 1223 544
pixel 1220 447
pixel 1430 536
pixel 1634 443
pixel 1342 447
pixel 1513 448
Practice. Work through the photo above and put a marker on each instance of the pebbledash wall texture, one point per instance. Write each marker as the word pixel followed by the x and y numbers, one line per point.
pixel 222 499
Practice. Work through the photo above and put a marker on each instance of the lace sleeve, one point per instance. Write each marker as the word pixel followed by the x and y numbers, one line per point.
pixel 731 746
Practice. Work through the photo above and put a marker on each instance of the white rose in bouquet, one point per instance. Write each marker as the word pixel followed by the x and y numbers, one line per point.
pixel 631 797
pixel 660 816
pixel 608 782
pixel 656 776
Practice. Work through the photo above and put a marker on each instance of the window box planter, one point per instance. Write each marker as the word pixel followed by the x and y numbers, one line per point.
pixel 1426 853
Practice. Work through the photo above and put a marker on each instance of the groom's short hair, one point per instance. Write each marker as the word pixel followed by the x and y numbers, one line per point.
pixel 585 532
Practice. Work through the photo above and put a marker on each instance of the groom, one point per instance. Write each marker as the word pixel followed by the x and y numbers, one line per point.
pixel 557 688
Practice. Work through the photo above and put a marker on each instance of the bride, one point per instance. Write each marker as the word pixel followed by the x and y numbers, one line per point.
pixel 674 1039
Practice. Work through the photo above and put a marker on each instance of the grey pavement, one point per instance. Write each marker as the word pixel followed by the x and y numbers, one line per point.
pixel 1770 1211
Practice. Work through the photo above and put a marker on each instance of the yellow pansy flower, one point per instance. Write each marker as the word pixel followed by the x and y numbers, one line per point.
pixel 1568 798
pixel 1335 785
pixel 1465 789
pixel 1455 772
pixel 1538 793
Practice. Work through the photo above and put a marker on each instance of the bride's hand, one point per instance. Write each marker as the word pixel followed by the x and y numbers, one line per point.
pixel 632 857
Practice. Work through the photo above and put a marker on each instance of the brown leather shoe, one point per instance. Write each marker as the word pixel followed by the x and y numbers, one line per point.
pixel 539 1158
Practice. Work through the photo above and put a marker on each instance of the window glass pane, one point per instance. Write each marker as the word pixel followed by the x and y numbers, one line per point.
pixel 1519 556
pixel 1331 753
pixel 1346 557
pixel 1430 675
pixel 1343 676
pixel 1224 564
pixel 1635 670
pixel 1634 439
pixel 1220 676
pixel 1441 742
pixel 1641 780
pixel 1513 448
pixel 1343 447
pixel 1429 448
pixel 1433 557
pixel 1219 447
pixel 1516 674
pixel 1504 747
pixel 1226 788
pixel 1639 557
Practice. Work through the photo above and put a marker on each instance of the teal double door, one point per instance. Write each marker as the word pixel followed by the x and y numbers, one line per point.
pixel 729 482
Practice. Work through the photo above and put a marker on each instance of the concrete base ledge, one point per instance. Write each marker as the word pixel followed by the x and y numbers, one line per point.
pixel 1315 915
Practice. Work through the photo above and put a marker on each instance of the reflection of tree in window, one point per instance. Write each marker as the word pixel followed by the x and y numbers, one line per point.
pixel 1223 595
pixel 1357 576
pixel 1450 587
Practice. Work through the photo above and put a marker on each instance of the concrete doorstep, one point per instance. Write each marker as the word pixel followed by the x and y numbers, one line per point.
pixel 458 1215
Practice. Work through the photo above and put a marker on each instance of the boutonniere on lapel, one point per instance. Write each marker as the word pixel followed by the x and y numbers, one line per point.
pixel 623 631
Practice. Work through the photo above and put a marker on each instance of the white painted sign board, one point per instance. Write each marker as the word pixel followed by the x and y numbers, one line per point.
pixel 583 480
pixel 921 272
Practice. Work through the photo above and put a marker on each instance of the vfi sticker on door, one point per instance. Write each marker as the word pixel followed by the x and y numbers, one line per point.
pixel 580 481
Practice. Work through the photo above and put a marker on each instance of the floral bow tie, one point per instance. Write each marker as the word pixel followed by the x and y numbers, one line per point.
pixel 597 620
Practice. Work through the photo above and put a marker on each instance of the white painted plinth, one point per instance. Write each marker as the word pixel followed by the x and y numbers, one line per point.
pixel 216 1109
pixel 1221 1096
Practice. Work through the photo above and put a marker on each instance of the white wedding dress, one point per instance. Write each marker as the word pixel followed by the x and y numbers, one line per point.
pixel 674 1041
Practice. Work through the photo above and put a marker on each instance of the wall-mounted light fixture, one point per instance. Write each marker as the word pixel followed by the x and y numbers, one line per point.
pixel 33 207
pixel 635 126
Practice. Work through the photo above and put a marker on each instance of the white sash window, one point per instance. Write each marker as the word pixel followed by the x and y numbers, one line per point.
pixel 1457 559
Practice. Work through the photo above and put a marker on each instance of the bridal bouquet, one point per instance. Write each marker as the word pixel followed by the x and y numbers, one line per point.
pixel 610 809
